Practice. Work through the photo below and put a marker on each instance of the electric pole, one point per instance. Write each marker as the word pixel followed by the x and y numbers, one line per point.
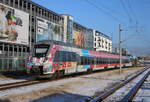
pixel 120 49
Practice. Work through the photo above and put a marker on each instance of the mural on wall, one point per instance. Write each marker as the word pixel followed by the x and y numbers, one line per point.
pixel 14 25
pixel 79 39
pixel 47 30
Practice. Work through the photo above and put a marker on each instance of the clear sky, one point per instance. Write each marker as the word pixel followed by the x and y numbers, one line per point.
pixel 106 15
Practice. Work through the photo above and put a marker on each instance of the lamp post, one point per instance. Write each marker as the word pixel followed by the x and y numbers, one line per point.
pixel 120 50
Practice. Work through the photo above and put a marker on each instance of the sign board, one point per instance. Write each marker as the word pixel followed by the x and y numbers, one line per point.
pixel 47 30
pixel 14 25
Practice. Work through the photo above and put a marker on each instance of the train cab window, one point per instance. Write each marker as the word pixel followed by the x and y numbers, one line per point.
pixel 41 50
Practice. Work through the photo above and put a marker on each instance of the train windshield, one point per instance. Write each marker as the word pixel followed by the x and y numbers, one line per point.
pixel 41 50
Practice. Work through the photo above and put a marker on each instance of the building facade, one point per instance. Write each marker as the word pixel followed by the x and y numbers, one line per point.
pixel 23 23
pixel 102 42
pixel 125 52
pixel 68 29
pixel 82 36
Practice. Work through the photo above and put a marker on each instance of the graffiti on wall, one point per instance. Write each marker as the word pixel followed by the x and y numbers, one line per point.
pixel 79 39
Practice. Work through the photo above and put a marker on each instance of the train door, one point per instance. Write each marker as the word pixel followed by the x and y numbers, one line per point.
pixel 71 64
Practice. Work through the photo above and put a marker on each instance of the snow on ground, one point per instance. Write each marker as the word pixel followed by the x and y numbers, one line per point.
pixel 119 94
pixel 5 80
pixel 74 89
pixel 143 94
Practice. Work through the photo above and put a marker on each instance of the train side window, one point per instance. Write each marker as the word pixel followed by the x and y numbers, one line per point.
pixel 85 60
pixel 88 60
pixel 104 61
pixel 118 61
pixel 57 57
pixel 82 61
pixel 92 61
pixel 110 61
pixel 64 56
pixel 97 60
pixel 73 57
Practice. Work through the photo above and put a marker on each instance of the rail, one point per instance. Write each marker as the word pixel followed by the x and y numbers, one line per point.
pixel 129 97
pixel 104 95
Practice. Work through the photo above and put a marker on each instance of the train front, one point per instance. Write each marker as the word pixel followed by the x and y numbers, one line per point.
pixel 35 65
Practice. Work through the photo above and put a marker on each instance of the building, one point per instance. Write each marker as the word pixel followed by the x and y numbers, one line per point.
pixel 68 28
pixel 23 23
pixel 82 36
pixel 102 42
pixel 30 23
pixel 77 34
pixel 125 52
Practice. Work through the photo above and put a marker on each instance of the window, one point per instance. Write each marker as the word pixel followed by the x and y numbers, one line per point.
pixel 41 50
pixel 64 56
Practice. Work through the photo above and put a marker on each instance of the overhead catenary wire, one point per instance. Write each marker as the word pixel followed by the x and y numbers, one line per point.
pixel 131 10
pixel 132 13
pixel 104 11
pixel 110 9
pixel 126 10
pixel 127 7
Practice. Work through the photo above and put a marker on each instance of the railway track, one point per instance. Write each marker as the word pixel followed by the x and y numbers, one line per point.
pixel 109 94
pixel 32 82
pixel 129 97
pixel 17 84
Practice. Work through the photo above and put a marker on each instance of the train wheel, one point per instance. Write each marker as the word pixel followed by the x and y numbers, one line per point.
pixel 55 75
pixel 106 68
pixel 58 74
pixel 90 70
pixel 61 73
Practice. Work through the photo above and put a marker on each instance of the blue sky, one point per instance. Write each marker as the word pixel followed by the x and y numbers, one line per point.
pixel 106 17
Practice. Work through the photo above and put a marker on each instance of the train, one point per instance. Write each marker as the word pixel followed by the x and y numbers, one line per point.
pixel 56 59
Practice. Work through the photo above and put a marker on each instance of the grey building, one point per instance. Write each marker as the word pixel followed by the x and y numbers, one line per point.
pixel 16 47
pixel 23 23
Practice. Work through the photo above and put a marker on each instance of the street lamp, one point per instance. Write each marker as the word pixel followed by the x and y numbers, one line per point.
pixel 120 49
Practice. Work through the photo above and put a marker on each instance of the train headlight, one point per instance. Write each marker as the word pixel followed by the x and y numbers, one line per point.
pixel 45 59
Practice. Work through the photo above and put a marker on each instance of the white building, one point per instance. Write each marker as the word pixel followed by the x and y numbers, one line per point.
pixel 68 28
pixel 102 42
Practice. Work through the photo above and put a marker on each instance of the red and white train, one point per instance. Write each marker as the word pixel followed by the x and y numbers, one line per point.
pixel 53 58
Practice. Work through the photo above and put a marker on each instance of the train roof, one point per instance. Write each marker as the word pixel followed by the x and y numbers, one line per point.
pixel 54 42
pixel 67 44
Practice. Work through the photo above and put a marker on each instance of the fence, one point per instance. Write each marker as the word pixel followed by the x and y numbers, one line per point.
pixel 13 63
